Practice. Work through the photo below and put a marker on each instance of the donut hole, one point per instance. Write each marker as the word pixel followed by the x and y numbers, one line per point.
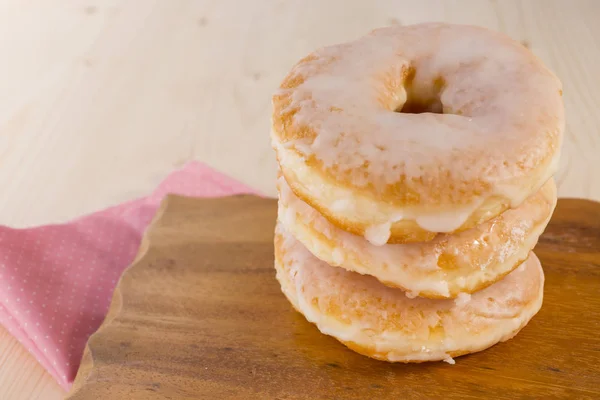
pixel 416 105
pixel 422 97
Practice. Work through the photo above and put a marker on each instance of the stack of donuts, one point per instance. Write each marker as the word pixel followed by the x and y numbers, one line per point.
pixel 415 177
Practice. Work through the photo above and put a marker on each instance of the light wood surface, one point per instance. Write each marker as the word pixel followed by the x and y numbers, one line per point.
pixel 101 98
pixel 217 326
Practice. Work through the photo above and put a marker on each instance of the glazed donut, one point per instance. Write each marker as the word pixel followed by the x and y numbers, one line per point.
pixel 417 130
pixel 381 322
pixel 448 265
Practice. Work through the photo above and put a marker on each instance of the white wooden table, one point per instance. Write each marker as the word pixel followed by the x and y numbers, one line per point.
pixel 102 98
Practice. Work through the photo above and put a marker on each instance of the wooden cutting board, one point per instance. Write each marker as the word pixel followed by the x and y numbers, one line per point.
pixel 199 315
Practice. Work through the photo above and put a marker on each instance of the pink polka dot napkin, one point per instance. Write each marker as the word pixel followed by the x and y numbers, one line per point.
pixel 56 281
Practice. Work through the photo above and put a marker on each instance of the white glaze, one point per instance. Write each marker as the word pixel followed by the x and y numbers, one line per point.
pixel 480 254
pixel 347 202
pixel 346 76
pixel 378 234
pixel 366 312
pixel 448 221
pixel 450 360
pixel 511 120
pixel 462 299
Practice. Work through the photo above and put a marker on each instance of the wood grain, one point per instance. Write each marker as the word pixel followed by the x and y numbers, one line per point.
pixel 200 315
pixel 120 92
pixel 22 377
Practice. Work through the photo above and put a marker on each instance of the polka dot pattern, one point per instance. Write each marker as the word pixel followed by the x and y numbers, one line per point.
pixel 56 281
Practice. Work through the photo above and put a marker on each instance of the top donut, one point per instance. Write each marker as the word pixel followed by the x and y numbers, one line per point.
pixel 416 130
